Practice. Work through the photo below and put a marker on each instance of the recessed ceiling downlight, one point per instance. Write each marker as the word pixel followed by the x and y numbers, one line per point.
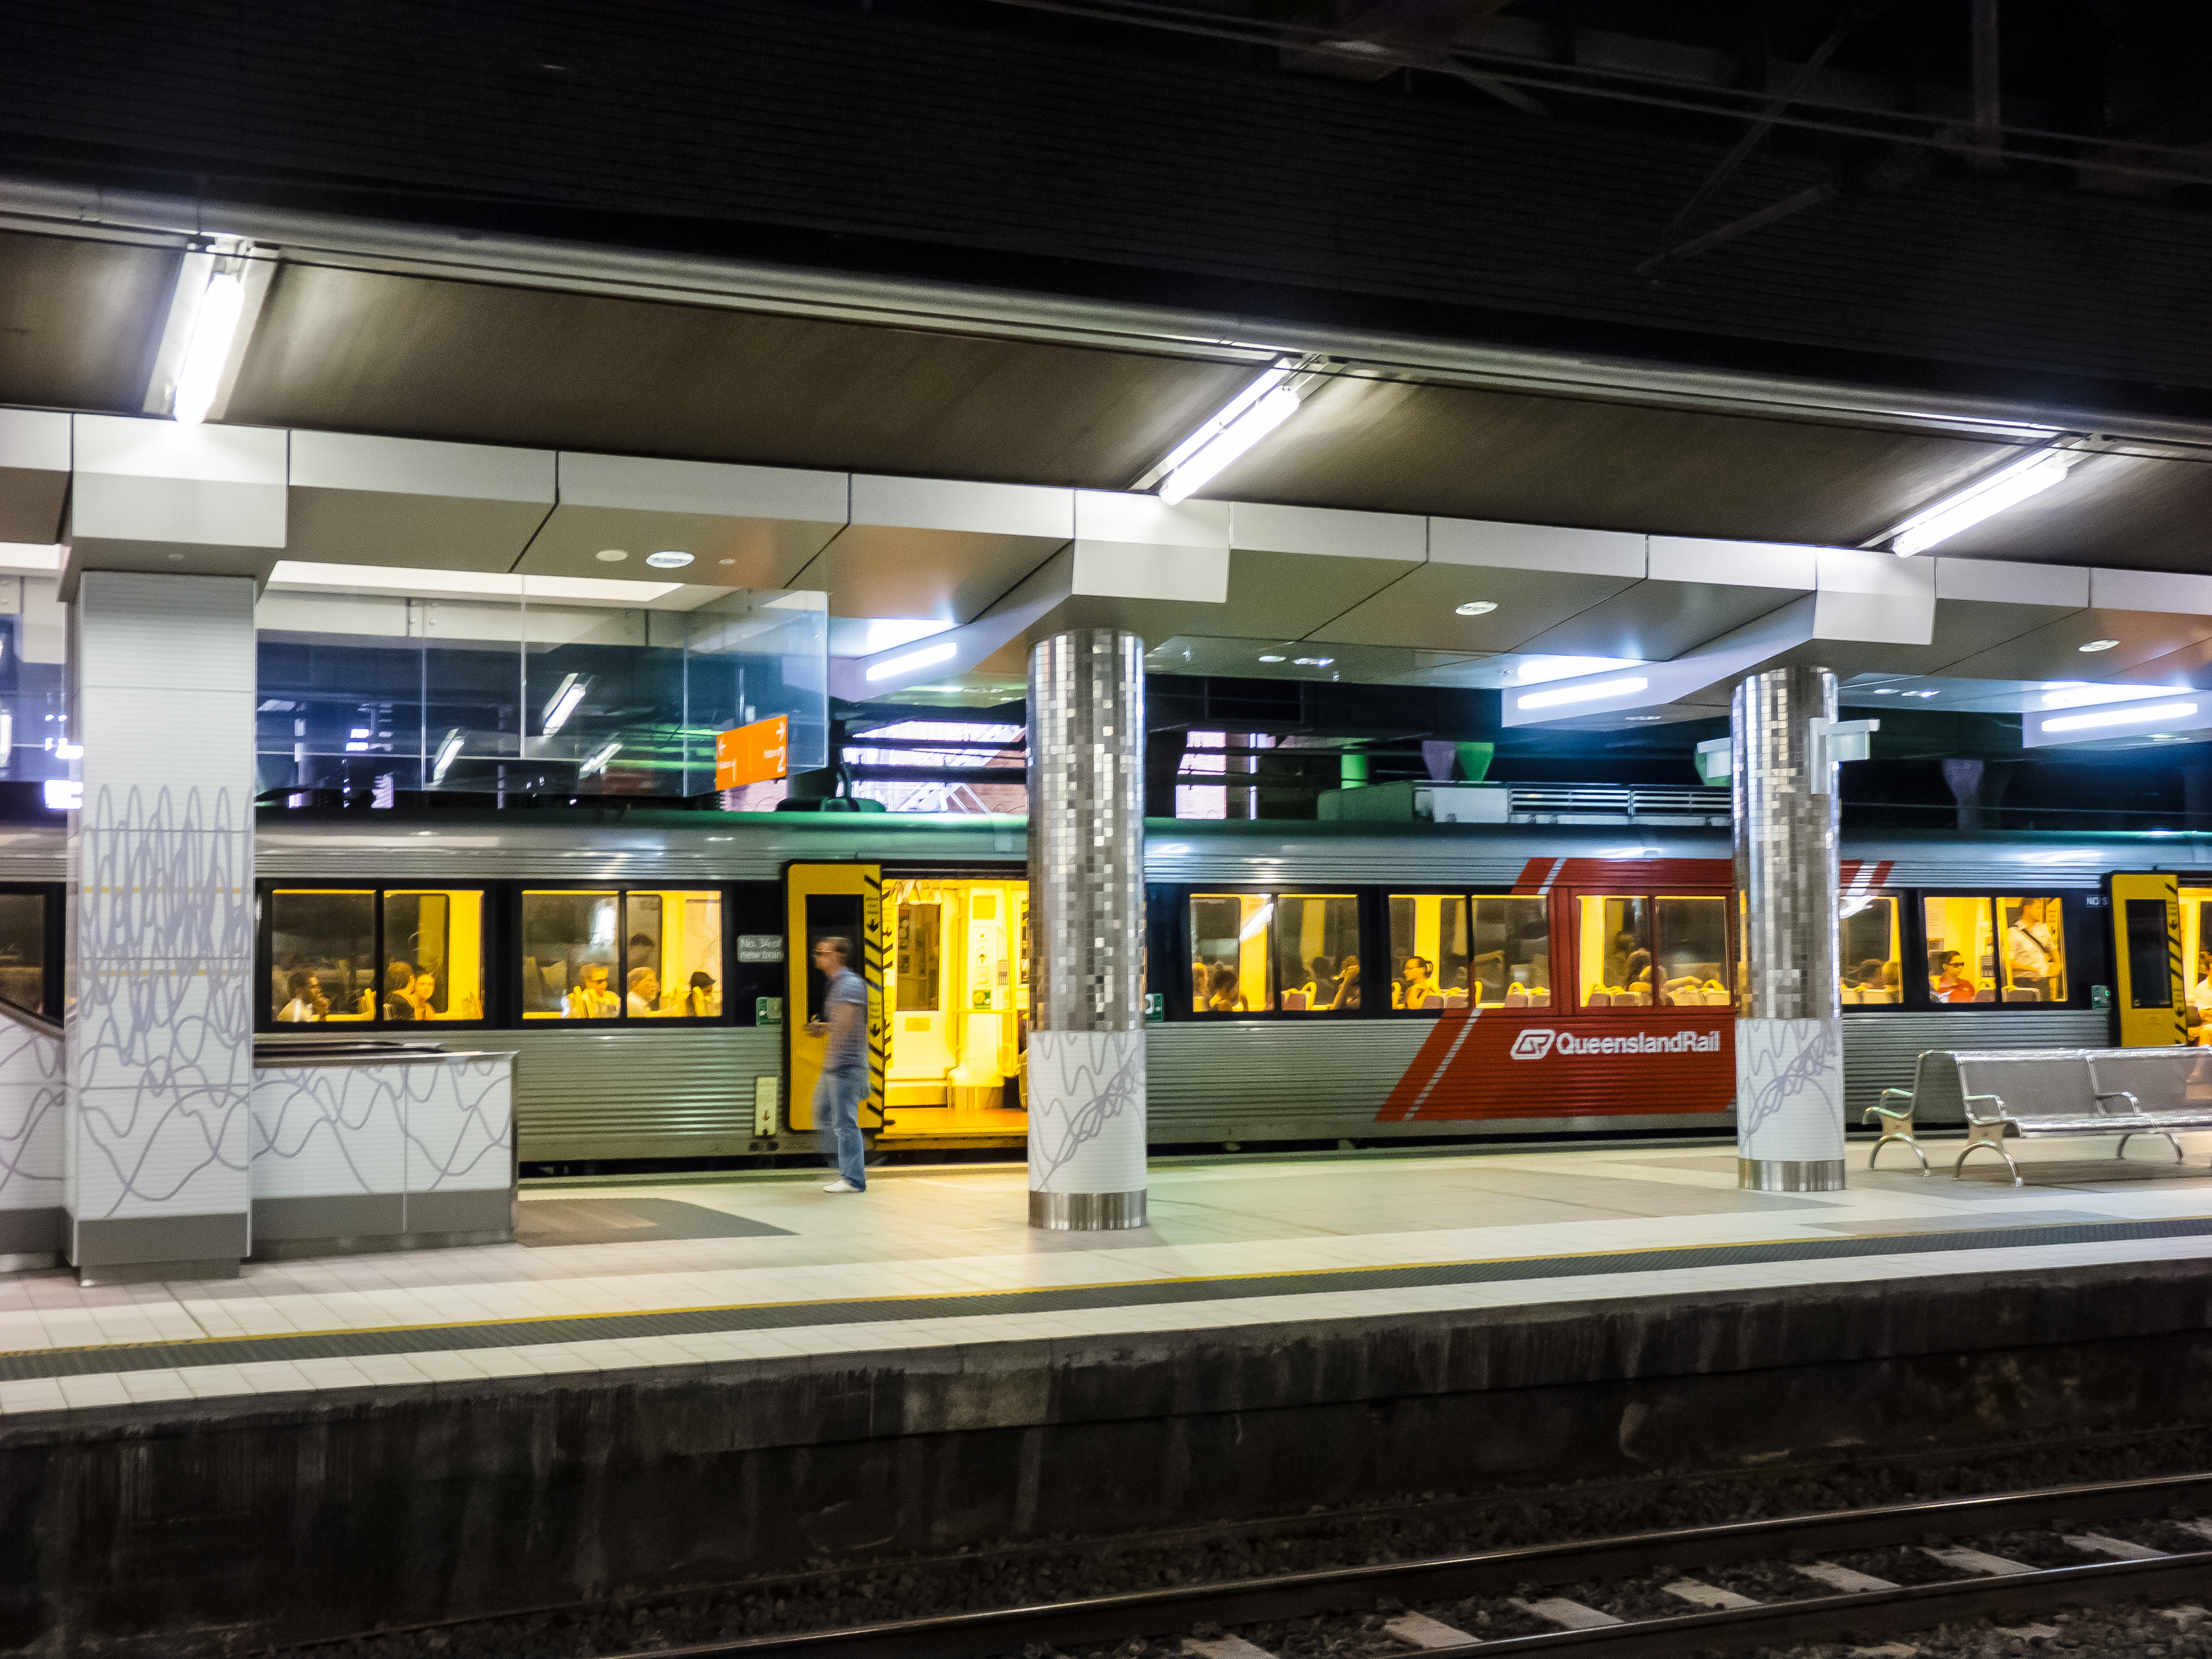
pixel 1476 608
pixel 1269 656
pixel 611 554
pixel 670 559
pixel 2098 645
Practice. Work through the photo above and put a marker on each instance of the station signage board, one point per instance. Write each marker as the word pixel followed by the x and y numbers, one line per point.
pixel 759 753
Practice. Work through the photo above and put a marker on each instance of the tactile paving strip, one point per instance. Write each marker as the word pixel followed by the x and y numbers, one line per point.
pixel 787 1315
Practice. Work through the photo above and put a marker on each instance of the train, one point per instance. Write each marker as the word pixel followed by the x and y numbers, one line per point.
pixel 1308 984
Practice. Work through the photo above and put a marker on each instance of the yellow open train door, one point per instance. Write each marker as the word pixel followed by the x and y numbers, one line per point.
pixel 823 901
pixel 2148 1000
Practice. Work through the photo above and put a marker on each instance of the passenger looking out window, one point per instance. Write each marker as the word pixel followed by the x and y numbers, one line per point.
pixel 1347 985
pixel 1962 950
pixel 644 993
pixel 1429 951
pixel 1947 978
pixel 590 998
pixel 1417 985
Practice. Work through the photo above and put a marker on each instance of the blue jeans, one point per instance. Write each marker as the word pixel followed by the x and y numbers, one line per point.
pixel 837 1122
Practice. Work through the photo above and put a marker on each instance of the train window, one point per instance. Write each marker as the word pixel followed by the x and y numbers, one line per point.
pixel 322 955
pixel 2034 949
pixel 23 950
pixel 434 955
pixel 1316 934
pixel 1228 952
pixel 1692 965
pixel 1961 950
pixel 569 956
pixel 2196 945
pixel 1512 960
pixel 1616 951
pixel 1428 952
pixel 673 960
pixel 1871 950
pixel 920 942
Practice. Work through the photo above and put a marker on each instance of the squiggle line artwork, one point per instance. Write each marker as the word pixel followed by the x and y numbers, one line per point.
pixel 1066 1118
pixel 161 1035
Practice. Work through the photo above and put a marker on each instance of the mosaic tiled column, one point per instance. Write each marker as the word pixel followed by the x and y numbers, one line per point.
pixel 1790 1027
pixel 1086 1043
pixel 158 1031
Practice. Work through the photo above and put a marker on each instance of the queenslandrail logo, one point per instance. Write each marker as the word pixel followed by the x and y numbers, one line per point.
pixel 1538 1040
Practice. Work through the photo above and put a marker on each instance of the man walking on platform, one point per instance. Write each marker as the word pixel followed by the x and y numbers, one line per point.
pixel 844 1066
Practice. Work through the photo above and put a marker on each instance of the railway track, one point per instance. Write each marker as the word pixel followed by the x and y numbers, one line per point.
pixel 1848 1574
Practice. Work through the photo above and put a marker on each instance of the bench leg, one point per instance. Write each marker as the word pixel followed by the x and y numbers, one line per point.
pixel 1972 1146
pixel 1901 1140
pixel 2179 1156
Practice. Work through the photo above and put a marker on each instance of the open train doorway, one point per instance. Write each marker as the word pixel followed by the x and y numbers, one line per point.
pixel 959 1000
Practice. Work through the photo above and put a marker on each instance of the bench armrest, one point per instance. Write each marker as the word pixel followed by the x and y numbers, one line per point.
pixel 2103 1095
pixel 1996 1100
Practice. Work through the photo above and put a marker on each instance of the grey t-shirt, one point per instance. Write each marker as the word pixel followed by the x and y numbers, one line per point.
pixel 850 1053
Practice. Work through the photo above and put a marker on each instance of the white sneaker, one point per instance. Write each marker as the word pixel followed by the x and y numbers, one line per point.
pixel 843 1186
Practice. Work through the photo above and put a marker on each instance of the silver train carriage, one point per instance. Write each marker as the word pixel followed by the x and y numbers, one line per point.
pixel 1308 983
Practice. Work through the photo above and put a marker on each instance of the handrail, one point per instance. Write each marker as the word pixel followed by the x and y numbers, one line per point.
pixel 29 1021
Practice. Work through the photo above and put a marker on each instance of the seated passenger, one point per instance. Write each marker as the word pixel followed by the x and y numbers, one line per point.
pixel 1347 984
pixel 1321 990
pixel 644 993
pixel 421 992
pixel 1637 981
pixel 1416 982
pixel 398 981
pixel 307 1002
pixel 1223 994
pixel 1947 977
pixel 590 998
pixel 700 1001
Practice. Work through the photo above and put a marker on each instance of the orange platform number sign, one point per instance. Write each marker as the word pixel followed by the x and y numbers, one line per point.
pixel 759 753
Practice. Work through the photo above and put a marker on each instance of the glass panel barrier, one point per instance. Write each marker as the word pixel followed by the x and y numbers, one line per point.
pixel 1316 936
pixel 434 955
pixel 1692 966
pixel 23 950
pixel 674 956
pixel 1228 952
pixel 2034 949
pixel 1615 945
pixel 1961 950
pixel 1872 951
pixel 1513 951
pixel 322 955
pixel 1428 954
pixel 569 956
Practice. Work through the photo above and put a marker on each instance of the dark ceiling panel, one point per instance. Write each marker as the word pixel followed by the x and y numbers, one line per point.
pixel 2121 510
pixel 1408 448
pixel 79 321
pixel 359 352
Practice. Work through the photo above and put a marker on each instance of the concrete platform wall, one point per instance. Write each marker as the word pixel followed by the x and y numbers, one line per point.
pixel 308 1516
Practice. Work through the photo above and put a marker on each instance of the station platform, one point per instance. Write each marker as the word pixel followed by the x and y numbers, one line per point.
pixel 698 1380
pixel 613 1275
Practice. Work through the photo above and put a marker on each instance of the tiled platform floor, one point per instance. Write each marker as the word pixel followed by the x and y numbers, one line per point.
pixel 943 1256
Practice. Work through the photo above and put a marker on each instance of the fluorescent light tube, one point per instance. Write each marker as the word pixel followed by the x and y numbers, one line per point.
pixel 1221 420
pixel 448 752
pixel 2007 486
pixel 213 330
pixel 921 659
pixel 1567 694
pixel 2104 717
pixel 563 703
pixel 2081 697
pixel 1259 919
pixel 64 795
pixel 598 762
pixel 1247 429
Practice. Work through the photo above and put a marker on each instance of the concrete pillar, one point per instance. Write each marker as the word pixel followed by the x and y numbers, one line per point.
pixel 169 527
pixel 1086 1044
pixel 1789 1030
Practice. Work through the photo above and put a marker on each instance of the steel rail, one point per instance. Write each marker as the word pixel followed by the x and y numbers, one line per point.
pixel 1343 1589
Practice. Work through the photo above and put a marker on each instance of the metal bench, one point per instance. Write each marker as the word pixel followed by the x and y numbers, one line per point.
pixel 2046 1091
pixel 2172 1087
pixel 1934 1085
